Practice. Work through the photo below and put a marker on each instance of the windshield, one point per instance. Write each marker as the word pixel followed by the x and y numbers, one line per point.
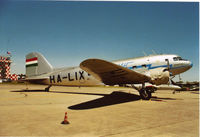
pixel 178 58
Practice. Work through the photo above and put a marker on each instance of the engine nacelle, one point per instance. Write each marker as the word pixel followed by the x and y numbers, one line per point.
pixel 159 76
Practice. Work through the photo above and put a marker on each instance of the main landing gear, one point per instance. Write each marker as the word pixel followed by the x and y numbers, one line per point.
pixel 145 92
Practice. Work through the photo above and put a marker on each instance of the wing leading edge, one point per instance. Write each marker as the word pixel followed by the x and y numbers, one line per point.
pixel 112 74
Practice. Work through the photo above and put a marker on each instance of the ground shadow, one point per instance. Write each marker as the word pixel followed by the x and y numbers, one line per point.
pixel 154 98
pixel 115 97
pixel 60 92
pixel 195 92
pixel 27 90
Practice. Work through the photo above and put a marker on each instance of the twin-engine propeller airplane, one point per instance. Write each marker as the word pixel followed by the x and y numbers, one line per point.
pixel 154 69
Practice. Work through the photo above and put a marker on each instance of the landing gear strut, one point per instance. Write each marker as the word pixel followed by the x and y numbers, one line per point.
pixel 47 88
pixel 145 93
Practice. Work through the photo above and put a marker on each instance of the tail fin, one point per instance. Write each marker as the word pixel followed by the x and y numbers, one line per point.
pixel 36 64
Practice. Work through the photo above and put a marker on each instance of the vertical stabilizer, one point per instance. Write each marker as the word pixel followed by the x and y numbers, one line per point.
pixel 36 64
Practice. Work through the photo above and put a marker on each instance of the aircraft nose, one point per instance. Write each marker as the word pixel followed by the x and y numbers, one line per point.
pixel 190 64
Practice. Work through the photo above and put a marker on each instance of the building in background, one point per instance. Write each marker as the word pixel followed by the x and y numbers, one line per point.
pixel 5 63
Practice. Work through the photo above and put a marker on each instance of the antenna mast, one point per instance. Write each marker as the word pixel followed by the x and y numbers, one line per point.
pixel 144 53
pixel 154 52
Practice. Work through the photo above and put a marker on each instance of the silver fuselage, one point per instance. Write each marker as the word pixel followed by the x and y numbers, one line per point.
pixel 75 76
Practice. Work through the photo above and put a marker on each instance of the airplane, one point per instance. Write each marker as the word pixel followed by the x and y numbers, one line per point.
pixel 153 69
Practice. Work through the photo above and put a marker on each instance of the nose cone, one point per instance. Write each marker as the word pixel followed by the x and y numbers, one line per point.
pixel 181 66
pixel 190 64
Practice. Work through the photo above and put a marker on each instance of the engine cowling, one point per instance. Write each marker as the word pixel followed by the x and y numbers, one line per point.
pixel 159 76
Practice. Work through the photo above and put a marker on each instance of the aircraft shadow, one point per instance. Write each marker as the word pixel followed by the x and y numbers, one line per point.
pixel 60 92
pixel 154 98
pixel 27 90
pixel 116 97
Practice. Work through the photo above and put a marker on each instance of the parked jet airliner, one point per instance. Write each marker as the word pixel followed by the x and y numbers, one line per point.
pixel 154 69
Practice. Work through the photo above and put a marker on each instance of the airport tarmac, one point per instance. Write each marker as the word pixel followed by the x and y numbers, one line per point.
pixel 96 111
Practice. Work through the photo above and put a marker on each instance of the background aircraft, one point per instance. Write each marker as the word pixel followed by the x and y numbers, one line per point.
pixel 154 69
pixel 159 87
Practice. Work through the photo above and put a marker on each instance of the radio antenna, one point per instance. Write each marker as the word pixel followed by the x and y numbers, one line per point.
pixel 154 52
pixel 144 53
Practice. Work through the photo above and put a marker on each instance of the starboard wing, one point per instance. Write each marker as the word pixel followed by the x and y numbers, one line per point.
pixel 112 74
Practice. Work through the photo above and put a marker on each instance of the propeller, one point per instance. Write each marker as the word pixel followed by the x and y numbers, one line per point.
pixel 172 81
pixel 168 66
pixel 168 69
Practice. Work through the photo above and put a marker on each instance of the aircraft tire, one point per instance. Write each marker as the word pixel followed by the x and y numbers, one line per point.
pixel 151 89
pixel 145 94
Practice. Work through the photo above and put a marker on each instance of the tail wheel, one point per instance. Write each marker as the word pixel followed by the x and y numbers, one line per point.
pixel 47 88
pixel 145 94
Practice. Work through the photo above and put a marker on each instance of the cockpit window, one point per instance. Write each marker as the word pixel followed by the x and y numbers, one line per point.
pixel 177 58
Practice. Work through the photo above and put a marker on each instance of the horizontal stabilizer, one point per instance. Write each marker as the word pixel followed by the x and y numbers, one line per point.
pixel 37 80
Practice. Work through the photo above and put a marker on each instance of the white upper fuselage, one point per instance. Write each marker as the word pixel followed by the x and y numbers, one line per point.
pixel 177 65
pixel 76 76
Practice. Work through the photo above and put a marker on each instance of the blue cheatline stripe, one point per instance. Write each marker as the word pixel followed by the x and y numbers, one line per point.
pixel 149 66
pixel 170 66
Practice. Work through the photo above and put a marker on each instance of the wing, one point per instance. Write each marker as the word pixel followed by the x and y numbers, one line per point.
pixel 112 74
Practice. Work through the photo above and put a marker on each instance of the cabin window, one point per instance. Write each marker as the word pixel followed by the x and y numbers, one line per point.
pixel 144 66
pixel 133 67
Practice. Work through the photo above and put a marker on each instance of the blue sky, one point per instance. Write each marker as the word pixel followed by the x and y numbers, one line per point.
pixel 66 33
